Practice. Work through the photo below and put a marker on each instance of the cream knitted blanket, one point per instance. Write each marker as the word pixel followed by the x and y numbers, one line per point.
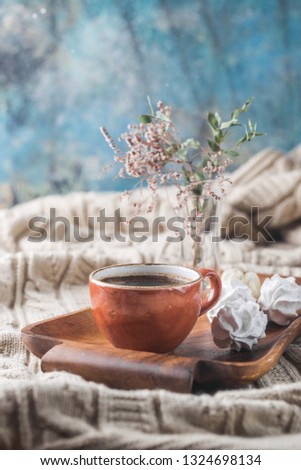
pixel 60 410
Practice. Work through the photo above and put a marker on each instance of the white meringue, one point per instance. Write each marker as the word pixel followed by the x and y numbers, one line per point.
pixel 252 280
pixel 249 278
pixel 281 299
pixel 236 320
pixel 239 325
pixel 232 291
pixel 232 273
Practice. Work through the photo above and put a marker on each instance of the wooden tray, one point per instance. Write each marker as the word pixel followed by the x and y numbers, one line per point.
pixel 73 343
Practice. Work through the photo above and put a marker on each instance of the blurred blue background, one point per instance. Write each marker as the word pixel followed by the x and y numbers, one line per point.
pixel 68 67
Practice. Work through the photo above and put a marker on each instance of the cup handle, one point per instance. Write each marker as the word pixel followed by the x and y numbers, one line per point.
pixel 216 285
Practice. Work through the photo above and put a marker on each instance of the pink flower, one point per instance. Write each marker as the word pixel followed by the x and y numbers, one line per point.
pixel 155 154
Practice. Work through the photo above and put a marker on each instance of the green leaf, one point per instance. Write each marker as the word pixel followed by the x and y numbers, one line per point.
pixel 242 140
pixel 213 145
pixel 218 118
pixel 150 106
pixel 232 153
pixel 176 149
pixel 205 161
pixel 250 136
pixel 145 119
pixel 237 112
pixel 247 104
pixel 232 123
pixel 252 126
pixel 182 153
pixel 200 175
pixel 191 144
pixel 213 121
pixel 186 174
pixel 219 136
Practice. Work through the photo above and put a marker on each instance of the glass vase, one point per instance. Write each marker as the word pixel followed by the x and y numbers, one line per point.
pixel 200 246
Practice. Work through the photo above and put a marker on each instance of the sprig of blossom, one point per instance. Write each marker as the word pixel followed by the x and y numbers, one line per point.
pixel 156 155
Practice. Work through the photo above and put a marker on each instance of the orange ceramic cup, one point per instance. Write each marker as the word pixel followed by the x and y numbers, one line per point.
pixel 150 318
